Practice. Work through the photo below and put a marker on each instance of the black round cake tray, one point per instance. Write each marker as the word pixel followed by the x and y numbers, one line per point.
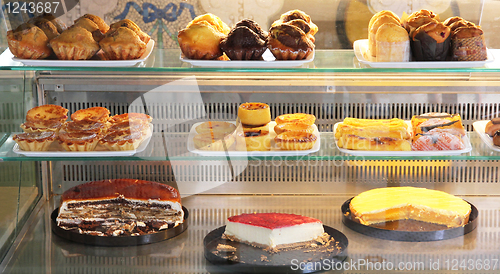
pixel 249 259
pixel 118 240
pixel 428 233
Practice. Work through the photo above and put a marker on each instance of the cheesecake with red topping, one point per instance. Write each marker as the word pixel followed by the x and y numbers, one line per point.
pixel 274 231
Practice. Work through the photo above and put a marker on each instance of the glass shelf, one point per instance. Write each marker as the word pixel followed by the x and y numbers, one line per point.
pixel 326 61
pixel 173 147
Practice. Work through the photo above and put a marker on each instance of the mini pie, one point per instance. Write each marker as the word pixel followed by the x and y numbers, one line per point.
pixel 216 127
pixel 132 116
pixel 296 117
pixel 254 114
pixel 213 141
pixel 295 140
pixel 93 114
pixel 78 141
pixel 36 141
pixel 253 140
pixel 85 125
pixel 293 126
pixel 123 140
pixel 44 118
pixel 130 126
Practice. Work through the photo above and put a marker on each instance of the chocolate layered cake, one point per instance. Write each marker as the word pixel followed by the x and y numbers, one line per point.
pixel 120 207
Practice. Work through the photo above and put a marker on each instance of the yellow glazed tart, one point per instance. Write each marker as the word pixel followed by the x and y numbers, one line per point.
pixel 293 126
pixel 253 140
pixel 296 117
pixel 37 141
pixel 401 203
pixel 293 140
pixel 254 114
pixel 213 141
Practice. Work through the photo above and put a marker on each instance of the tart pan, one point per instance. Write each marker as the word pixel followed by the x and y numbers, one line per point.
pixel 249 259
pixel 118 240
pixel 410 231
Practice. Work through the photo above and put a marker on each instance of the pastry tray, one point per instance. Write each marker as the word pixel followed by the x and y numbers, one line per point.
pixel 361 48
pixel 118 240
pixel 273 152
pixel 426 233
pixel 55 150
pixel 465 139
pixel 84 63
pixel 479 127
pixel 268 62
pixel 249 259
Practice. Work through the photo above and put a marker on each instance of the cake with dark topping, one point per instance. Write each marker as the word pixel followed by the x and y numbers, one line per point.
pixel 120 207
pixel 288 42
pixel 246 41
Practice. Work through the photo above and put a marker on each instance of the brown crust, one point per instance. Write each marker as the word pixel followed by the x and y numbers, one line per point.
pixel 47 113
pixel 296 117
pixel 35 137
pixel 323 239
pixel 448 22
pixel 93 114
pixel 467 32
pixel 132 116
pixel 75 43
pixel 103 27
pixel 122 44
pixel 129 188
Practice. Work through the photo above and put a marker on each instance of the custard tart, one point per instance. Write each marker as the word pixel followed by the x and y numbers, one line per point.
pixel 78 141
pixel 35 141
pixel 129 126
pixel 85 126
pixel 44 118
pixel 216 127
pixel 293 126
pixel 75 43
pixel 253 140
pixel 93 114
pixel 128 139
pixel 213 141
pixel 254 114
pixel 295 140
pixel 132 116
pixel 28 42
pixel 308 119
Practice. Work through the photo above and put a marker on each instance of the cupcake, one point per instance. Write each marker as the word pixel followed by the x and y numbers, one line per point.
pixel 91 27
pixel 122 44
pixel 293 15
pixel 213 21
pixel 431 42
pixel 467 44
pixel 133 27
pixel 35 141
pixel 246 41
pixel 103 27
pixel 46 26
pixel 55 21
pixel 28 42
pixel 75 43
pixel 288 42
pixel 393 44
pixel 417 19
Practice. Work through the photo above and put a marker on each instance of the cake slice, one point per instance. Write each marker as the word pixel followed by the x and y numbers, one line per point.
pixel 120 207
pixel 274 231
pixel 402 203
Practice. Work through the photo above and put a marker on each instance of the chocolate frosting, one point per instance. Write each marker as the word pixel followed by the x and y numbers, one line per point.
pixel 291 36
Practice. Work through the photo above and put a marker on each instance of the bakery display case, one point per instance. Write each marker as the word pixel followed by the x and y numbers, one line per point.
pixel 179 95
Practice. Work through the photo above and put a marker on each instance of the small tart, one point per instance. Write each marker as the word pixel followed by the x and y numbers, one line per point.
pixel 308 119
pixel 47 113
pixel 253 140
pixel 213 141
pixel 41 126
pixel 264 127
pixel 130 117
pixel 87 126
pixel 78 141
pixel 295 140
pixel 37 141
pixel 216 127
pixel 93 114
pixel 123 140
pixel 130 126
pixel 293 126
pixel 254 114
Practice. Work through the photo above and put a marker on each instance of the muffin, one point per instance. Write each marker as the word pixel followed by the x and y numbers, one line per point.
pixel 55 21
pixel 467 44
pixel 28 42
pixel 431 42
pixel 35 141
pixel 212 20
pixel 103 27
pixel 122 44
pixel 492 126
pixel 372 40
pixel 75 43
pixel 133 27
pixel 288 42
pixel 417 19
pixel 246 41
pixel 379 14
pixel 293 15
pixel 46 26
pixel 90 26
pixel 393 44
